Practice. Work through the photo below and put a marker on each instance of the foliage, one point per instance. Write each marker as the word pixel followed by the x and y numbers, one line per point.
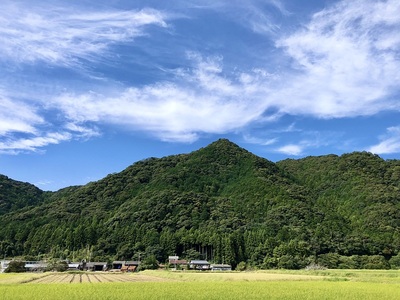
pixel 15 195
pixel 395 262
pixel 149 263
pixel 242 266
pixel 57 265
pixel 15 266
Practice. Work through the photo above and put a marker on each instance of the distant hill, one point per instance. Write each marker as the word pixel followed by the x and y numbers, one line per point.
pixel 15 195
pixel 220 203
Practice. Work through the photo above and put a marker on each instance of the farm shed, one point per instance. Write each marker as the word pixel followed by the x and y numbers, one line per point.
pixel 4 265
pixel 221 267
pixel 96 266
pixel 132 265
pixel 72 266
pixel 117 264
pixel 125 266
pixel 199 265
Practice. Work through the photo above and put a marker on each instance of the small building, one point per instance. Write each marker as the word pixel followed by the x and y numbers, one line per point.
pixel 96 266
pixel 221 267
pixel 74 266
pixel 125 266
pixel 4 265
pixel 117 264
pixel 199 265
pixel 131 265
pixel 179 263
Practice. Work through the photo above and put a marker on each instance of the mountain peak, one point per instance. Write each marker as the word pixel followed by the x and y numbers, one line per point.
pixel 224 144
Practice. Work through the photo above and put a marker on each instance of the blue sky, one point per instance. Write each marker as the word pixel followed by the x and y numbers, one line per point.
pixel 89 87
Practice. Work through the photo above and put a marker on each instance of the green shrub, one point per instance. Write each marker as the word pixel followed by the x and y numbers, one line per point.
pixel 241 266
pixel 15 266
pixel 395 262
pixel 58 266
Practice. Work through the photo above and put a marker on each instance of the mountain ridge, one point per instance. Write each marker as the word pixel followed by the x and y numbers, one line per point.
pixel 221 202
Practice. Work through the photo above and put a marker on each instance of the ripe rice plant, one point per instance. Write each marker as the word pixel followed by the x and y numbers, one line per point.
pixel 279 284
pixel 205 290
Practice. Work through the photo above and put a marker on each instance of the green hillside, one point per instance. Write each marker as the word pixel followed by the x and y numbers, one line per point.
pixel 15 195
pixel 220 203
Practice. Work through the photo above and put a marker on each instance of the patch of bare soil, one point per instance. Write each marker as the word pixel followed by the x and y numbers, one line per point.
pixel 96 278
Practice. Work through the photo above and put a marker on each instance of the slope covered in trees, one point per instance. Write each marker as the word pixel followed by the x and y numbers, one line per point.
pixel 224 204
pixel 15 195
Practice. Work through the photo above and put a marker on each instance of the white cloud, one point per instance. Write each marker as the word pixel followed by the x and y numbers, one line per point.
pixel 17 116
pixel 259 141
pixel 16 145
pixel 81 131
pixel 309 139
pixel 291 149
pixel 346 61
pixel 201 100
pixel 390 142
pixel 253 14
pixel 31 33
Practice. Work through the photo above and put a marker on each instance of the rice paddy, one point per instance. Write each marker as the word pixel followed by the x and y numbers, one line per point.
pixel 279 284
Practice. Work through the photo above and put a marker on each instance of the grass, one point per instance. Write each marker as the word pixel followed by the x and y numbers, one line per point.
pixel 9 278
pixel 279 284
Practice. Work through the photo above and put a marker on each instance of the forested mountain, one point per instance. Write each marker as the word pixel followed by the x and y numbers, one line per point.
pixel 220 203
pixel 15 195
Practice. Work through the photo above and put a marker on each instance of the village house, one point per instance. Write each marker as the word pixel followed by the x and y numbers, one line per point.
pixel 175 262
pixel 202 265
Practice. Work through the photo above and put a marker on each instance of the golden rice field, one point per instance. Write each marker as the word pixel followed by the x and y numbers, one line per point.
pixel 279 284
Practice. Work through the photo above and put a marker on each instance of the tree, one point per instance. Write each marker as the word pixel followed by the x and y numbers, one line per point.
pixel 395 262
pixel 149 263
pixel 57 266
pixel 15 266
pixel 241 266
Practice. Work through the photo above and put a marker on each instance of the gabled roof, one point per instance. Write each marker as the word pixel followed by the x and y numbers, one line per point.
pixel 199 262
pixel 220 266
pixel 132 262
pixel 95 264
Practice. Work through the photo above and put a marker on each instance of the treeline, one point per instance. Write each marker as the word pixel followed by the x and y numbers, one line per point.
pixel 223 204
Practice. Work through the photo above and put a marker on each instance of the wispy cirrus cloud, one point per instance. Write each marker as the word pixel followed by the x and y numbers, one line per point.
pixel 63 36
pixel 58 36
pixel 307 139
pixel 24 129
pixel 17 116
pixel 33 143
pixel 345 61
pixel 201 100
pixel 390 142
pixel 251 14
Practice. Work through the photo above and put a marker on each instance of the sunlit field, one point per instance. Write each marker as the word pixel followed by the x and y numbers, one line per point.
pixel 327 284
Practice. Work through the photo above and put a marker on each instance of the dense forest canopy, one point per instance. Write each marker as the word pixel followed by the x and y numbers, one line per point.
pixel 220 203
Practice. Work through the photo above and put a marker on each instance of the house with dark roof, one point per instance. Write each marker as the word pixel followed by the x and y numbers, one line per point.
pixel 199 265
